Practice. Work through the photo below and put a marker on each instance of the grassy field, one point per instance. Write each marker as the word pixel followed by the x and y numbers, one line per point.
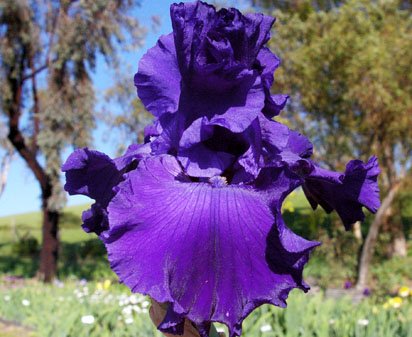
pixel 25 305
pixel 94 310
pixel 83 256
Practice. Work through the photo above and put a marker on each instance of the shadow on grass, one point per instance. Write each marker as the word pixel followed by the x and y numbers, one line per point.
pixel 84 259
pixel 70 220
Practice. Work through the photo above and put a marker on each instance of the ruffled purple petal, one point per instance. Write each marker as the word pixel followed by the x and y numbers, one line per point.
pixel 275 135
pixel 191 22
pixel 95 219
pixel 133 154
pixel 86 170
pixel 235 110
pixel 274 104
pixel 199 161
pixel 211 252
pixel 152 131
pixel 158 78
pixel 207 149
pixel 283 146
pixel 346 193
pixel 95 174
pixel 267 64
pixel 258 32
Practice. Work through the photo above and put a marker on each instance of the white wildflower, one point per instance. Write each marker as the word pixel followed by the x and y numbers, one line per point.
pixel 363 322
pixel 136 308
pixel 127 310
pixel 265 328
pixel 25 302
pixel 129 320
pixel 7 298
pixel 133 299
pixel 145 304
pixel 88 319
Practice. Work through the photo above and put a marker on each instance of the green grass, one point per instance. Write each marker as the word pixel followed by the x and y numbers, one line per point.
pixel 57 310
pixel 81 255
pixel 32 220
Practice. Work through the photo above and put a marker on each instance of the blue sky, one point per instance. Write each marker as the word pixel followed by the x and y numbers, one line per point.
pixel 22 193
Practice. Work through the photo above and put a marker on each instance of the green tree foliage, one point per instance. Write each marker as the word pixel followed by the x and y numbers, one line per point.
pixel 48 49
pixel 302 8
pixel 349 73
pixel 129 121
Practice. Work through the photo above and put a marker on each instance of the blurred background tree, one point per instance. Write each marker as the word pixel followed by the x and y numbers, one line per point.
pixel 48 49
pixel 6 158
pixel 347 66
pixel 132 117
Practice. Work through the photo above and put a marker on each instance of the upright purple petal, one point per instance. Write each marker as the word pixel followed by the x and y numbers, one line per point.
pixel 158 78
pixel 190 22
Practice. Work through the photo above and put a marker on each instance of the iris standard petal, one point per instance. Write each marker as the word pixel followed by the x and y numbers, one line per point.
pixel 208 251
pixel 191 22
pixel 346 193
pixel 158 78
pixel 207 149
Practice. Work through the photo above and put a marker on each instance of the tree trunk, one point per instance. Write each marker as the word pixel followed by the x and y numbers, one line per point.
pixel 49 253
pixel 50 245
pixel 369 245
pixel 398 243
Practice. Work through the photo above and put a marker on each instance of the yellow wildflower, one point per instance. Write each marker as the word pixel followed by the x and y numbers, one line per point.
pixel 404 291
pixel 107 284
pixel 396 302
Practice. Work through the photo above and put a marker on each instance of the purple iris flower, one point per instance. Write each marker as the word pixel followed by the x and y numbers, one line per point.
pixel 192 217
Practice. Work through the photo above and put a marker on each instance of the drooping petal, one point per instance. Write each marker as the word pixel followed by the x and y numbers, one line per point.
pixel 94 174
pixel 346 193
pixel 158 78
pixel 86 169
pixel 275 184
pixel 283 146
pixel 209 251
pixel 95 219
pixel 274 134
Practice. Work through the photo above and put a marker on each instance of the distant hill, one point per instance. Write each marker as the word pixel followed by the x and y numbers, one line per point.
pixel 71 217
